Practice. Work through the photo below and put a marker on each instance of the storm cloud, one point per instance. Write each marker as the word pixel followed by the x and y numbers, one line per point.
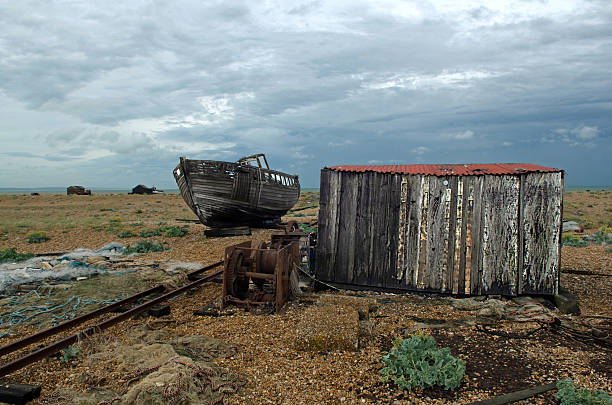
pixel 110 95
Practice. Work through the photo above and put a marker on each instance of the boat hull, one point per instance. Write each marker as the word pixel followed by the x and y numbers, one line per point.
pixel 226 194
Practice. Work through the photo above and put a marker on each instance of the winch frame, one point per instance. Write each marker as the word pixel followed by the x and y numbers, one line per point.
pixel 269 269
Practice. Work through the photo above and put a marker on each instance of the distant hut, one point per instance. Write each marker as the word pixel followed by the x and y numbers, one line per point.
pixel 141 189
pixel 78 190
pixel 458 229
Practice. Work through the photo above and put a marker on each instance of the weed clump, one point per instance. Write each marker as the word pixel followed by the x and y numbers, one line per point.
pixel 71 352
pixel 603 236
pixel 127 233
pixel 569 239
pixel 174 231
pixel 569 395
pixel 307 229
pixel 38 237
pixel 11 255
pixel 147 233
pixel 144 246
pixel 115 225
pixel 417 362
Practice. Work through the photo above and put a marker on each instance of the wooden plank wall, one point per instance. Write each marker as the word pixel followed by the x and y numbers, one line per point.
pixel 449 234
pixel 500 200
pixel 440 219
pixel 541 202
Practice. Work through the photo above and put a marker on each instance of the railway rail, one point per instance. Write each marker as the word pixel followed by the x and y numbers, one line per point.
pixel 52 348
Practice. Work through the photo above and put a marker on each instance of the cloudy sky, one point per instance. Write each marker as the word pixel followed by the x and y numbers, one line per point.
pixel 110 94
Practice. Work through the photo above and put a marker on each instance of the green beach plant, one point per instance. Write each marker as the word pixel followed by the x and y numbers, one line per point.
pixel 127 233
pixel 71 352
pixel 144 246
pixel 38 237
pixel 306 228
pixel 417 362
pixel 568 394
pixel 147 233
pixel 603 235
pixel 174 231
pixel 569 239
pixel 11 255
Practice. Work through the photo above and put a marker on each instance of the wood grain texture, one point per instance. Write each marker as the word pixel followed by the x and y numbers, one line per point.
pixel 347 217
pixel 335 184
pixel 459 259
pixel 452 238
pixel 392 235
pixel 402 229
pixel 520 265
pixel 474 259
pixel 542 201
pixel 413 232
pixel 436 228
pixel 323 256
pixel 423 231
pixel 363 228
pixel 380 223
pixel 500 235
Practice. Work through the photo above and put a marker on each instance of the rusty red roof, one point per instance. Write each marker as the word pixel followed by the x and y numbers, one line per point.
pixel 472 169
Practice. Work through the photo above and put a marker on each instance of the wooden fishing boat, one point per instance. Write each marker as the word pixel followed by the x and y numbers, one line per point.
pixel 232 194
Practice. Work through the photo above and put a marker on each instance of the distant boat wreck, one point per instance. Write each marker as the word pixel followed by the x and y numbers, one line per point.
pixel 231 194
pixel 78 190
pixel 141 189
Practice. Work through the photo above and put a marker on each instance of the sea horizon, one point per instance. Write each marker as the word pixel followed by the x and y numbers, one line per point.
pixel 94 190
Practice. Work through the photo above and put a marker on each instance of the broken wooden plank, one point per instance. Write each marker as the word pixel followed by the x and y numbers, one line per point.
pixel 18 393
pixel 517 395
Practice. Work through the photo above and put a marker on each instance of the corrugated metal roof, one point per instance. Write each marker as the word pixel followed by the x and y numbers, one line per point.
pixel 449 170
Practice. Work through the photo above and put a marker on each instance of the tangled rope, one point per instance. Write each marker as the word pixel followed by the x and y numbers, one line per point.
pixel 27 313
pixel 203 377
pixel 493 311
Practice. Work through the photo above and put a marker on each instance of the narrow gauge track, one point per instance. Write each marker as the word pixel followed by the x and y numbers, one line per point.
pixel 70 340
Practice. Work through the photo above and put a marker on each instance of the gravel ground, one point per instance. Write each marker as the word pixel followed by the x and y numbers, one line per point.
pixel 278 370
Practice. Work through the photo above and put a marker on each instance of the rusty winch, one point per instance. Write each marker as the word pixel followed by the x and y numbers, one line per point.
pixel 267 265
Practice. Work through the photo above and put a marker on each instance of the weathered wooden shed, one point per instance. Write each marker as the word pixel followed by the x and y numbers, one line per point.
pixel 458 229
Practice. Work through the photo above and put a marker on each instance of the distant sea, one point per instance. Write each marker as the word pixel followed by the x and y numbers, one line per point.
pixel 592 188
pixel 62 190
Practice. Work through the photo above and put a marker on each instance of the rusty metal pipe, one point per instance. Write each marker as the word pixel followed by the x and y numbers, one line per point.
pixel 11 347
pixel 61 344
